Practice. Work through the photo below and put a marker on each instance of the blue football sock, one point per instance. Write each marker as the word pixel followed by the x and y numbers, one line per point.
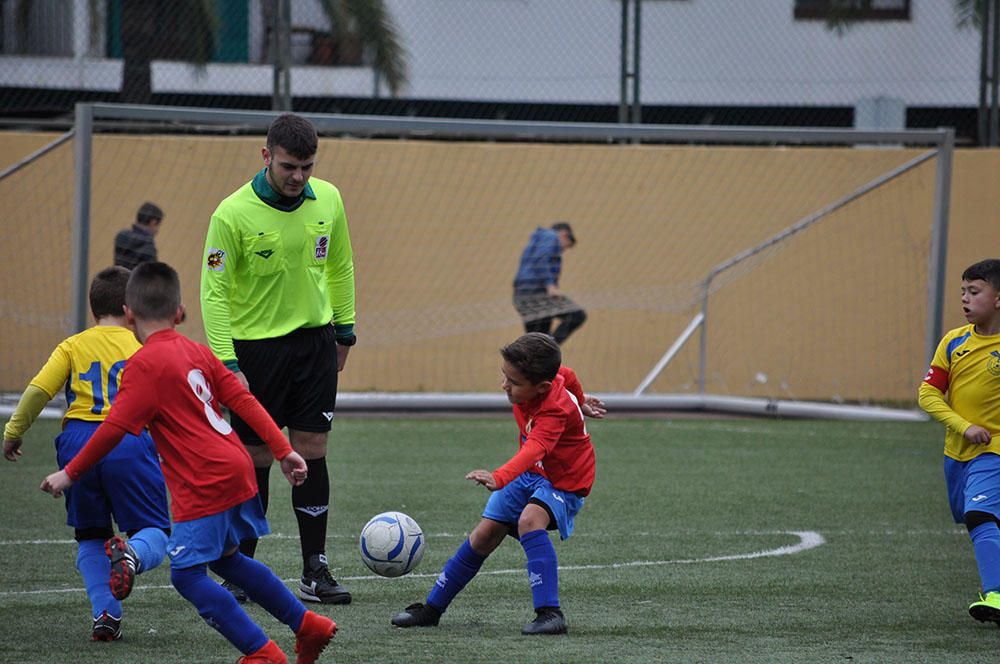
pixel 262 586
pixel 457 572
pixel 986 545
pixel 543 568
pixel 218 608
pixel 95 568
pixel 150 546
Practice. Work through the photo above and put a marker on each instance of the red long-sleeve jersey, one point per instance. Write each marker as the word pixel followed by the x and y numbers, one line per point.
pixel 554 441
pixel 175 386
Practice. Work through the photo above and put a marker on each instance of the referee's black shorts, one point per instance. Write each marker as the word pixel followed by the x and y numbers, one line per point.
pixel 294 377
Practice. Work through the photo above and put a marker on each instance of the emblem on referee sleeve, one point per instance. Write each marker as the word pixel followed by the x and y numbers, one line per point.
pixel 215 260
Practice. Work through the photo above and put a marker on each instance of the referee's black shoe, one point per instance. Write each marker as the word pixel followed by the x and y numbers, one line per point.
pixel 317 585
pixel 548 620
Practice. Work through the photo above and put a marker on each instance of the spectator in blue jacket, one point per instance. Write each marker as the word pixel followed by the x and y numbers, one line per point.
pixel 537 297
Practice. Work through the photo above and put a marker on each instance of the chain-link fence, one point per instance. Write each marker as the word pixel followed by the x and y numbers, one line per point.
pixel 885 64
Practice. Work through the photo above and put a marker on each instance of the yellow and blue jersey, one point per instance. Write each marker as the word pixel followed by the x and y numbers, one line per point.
pixel 89 366
pixel 966 368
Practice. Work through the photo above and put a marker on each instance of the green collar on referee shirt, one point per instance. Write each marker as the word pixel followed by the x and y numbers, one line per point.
pixel 263 189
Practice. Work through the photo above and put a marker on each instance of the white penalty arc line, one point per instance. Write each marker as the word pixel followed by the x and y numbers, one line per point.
pixel 808 539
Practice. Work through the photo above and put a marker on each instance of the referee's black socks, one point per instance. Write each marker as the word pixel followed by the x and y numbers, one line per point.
pixel 311 502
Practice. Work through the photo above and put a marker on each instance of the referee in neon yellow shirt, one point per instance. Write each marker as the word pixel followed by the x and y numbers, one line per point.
pixel 277 298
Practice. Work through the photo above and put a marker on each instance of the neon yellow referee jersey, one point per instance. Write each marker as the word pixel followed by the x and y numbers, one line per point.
pixel 267 271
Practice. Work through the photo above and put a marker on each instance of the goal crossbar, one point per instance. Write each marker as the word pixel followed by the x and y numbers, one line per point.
pixel 941 142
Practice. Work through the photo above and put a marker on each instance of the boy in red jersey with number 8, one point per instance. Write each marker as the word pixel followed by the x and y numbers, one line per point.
pixel 966 368
pixel 174 386
pixel 542 487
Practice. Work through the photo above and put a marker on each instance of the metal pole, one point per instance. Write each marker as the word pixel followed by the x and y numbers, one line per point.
pixel 35 156
pixel 655 372
pixel 80 233
pixel 636 38
pixel 984 76
pixel 939 245
pixel 275 45
pixel 281 44
pixel 994 110
pixel 703 338
pixel 623 75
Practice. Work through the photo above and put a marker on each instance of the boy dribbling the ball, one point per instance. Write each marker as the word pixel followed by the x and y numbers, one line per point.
pixel 540 488
pixel 175 386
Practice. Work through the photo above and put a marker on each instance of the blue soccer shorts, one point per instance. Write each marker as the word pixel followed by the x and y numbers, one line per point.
pixel 202 541
pixel 505 505
pixel 973 485
pixel 126 485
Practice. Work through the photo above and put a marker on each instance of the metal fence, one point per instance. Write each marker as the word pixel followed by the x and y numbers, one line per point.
pixel 890 65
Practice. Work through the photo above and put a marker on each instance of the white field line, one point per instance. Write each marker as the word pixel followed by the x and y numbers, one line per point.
pixel 807 539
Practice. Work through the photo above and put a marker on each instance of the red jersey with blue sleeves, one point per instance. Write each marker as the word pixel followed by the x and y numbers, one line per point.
pixel 554 439
pixel 175 386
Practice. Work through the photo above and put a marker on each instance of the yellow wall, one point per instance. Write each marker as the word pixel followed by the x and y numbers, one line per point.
pixel 437 228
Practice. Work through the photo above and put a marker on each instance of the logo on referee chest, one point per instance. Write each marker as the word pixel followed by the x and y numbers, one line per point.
pixel 322 247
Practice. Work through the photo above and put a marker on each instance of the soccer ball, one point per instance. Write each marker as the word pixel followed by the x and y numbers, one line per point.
pixel 391 544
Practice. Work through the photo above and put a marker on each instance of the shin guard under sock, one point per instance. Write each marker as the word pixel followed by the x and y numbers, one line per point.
pixel 218 608
pixel 150 546
pixel 262 586
pixel 457 572
pixel 311 503
pixel 986 546
pixel 95 568
pixel 543 568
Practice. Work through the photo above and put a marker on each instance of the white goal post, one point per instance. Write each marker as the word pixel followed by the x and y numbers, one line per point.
pixel 682 300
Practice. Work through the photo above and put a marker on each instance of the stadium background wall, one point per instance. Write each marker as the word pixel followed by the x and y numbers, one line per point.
pixel 438 227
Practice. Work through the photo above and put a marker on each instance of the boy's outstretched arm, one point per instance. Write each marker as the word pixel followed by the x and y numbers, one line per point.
pixel 593 407
pixel 293 466
pixel 56 483
pixel 32 403
pixel 483 477
pixel 105 437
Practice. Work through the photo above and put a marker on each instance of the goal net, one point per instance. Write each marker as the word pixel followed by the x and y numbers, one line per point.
pixel 803 257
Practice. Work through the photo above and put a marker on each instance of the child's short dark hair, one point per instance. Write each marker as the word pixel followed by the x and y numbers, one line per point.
pixel 107 292
pixel 154 291
pixel 294 134
pixel 987 270
pixel 148 212
pixel 535 355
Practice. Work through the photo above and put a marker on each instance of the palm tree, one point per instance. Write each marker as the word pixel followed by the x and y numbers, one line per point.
pixel 153 30
pixel 187 30
pixel 369 22
pixel 842 14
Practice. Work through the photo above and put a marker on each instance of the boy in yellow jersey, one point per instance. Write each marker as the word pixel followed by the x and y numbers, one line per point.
pixel 962 391
pixel 128 485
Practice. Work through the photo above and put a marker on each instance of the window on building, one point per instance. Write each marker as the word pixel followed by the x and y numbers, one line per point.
pixel 857 10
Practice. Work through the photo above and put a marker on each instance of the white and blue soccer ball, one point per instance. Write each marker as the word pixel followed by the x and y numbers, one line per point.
pixel 392 544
